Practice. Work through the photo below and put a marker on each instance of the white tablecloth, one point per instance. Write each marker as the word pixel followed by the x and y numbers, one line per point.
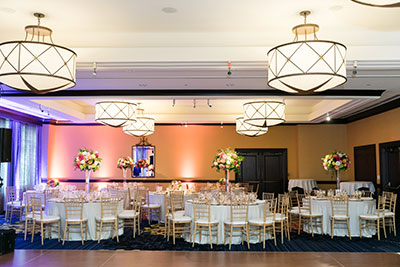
pixel 356 208
pixel 90 210
pixel 349 187
pixel 306 184
pixel 222 213
pixel 158 198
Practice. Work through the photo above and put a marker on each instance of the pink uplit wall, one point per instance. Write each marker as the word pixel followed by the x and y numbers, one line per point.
pixel 180 152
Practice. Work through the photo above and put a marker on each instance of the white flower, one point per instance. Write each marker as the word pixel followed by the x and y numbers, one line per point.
pixel 340 154
pixel 228 162
pixel 82 162
pixel 337 163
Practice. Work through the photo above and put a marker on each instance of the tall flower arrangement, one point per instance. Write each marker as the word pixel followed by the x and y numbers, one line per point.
pixel 87 160
pixel 142 163
pixel 336 162
pixel 124 163
pixel 227 160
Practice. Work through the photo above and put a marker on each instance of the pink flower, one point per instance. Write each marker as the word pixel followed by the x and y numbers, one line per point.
pixel 235 162
pixel 80 157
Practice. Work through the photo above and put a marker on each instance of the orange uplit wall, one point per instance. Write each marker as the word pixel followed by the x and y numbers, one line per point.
pixel 188 152
pixel 381 128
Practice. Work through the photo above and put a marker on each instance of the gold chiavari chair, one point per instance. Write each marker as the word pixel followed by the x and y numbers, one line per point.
pixel 28 214
pixel 149 209
pixel 167 206
pixel 238 222
pixel 282 216
pixel 365 193
pixel 388 200
pixel 310 218
pixel 178 199
pixel 130 217
pixel 340 214
pixel 51 193
pixel 14 203
pixel 267 196
pixel 239 191
pixel 377 218
pixel 266 223
pixel 132 195
pixel 74 218
pixel 203 220
pixel 180 223
pixel 108 217
pixel 295 209
pixel 390 214
pixel 46 222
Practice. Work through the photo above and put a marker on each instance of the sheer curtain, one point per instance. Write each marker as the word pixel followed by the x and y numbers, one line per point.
pixel 23 170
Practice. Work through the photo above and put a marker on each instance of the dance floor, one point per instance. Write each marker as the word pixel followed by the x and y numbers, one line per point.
pixel 68 258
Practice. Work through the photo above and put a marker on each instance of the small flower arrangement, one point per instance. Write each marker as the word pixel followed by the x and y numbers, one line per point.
pixel 337 161
pixel 124 163
pixel 176 185
pixel 87 160
pixel 142 163
pixel 227 160
pixel 222 181
pixel 53 183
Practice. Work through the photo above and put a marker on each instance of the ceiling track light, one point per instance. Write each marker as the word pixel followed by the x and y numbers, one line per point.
pixel 194 103
pixel 173 103
pixel 229 73
pixel 307 65
pixel 36 65
pixel 94 69
pixel 328 118
pixel 208 103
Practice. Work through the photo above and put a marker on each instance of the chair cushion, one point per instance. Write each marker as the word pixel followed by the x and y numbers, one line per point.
pixel 260 221
pixel 179 213
pixel 370 216
pixel 181 219
pixel 128 214
pixel 314 214
pixel 280 217
pixel 151 206
pixel 212 221
pixel 389 214
pixel 106 219
pixel 76 220
pixel 47 218
pixel 340 217
pixel 235 222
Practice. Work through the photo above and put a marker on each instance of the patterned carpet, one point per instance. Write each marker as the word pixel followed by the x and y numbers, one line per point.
pixel 153 239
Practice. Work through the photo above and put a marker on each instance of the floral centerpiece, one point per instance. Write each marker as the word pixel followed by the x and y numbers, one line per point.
pixel 124 164
pixel 53 183
pixel 227 160
pixel 336 162
pixel 176 185
pixel 142 163
pixel 87 161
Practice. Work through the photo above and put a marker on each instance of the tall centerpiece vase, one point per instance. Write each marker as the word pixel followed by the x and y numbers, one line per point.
pixel 227 172
pixel 124 171
pixel 87 180
pixel 337 179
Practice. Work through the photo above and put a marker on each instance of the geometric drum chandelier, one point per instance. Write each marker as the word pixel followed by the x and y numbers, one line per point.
pixel 264 113
pixel 142 127
pixel 115 113
pixel 307 64
pixel 36 65
pixel 379 3
pixel 246 129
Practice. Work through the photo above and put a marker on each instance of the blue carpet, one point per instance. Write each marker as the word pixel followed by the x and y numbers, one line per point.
pixel 147 241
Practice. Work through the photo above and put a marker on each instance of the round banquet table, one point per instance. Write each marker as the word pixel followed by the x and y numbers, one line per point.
pixel 90 211
pixel 356 208
pixel 306 184
pixel 349 187
pixel 222 213
pixel 158 198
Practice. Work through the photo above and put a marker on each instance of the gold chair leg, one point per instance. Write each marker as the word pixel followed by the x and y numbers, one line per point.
pixel 299 226
pixel 230 238
pixel 378 229
pixel 247 236
pixel 41 232
pixel 173 232
pixel 116 230
pixel 394 225
pixel 101 228
pixel 210 234
pixel 81 224
pixel 348 228
pixel 332 226
pixel 65 232
pixel 194 235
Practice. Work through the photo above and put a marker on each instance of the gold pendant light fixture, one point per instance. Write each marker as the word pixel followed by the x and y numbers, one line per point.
pixel 247 129
pixel 115 113
pixel 378 3
pixel 264 113
pixel 37 65
pixel 307 64
pixel 142 127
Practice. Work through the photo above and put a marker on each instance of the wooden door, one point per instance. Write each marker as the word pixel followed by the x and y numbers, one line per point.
pixel 390 164
pixel 365 163
pixel 267 167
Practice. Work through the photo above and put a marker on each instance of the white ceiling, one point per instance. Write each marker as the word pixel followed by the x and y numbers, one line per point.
pixel 138 46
